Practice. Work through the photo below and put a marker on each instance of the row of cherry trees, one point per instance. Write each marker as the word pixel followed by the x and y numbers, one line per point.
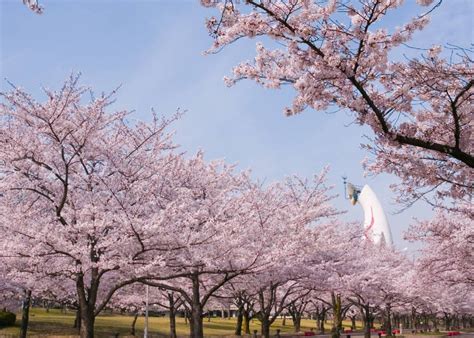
pixel 341 54
pixel 94 206
pixel 364 294
pixel 337 275
pixel 105 204
pixel 95 202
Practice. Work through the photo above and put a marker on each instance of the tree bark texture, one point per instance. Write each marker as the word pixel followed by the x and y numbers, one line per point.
pixel 25 314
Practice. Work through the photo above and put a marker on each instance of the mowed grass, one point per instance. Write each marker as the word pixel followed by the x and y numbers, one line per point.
pixel 55 323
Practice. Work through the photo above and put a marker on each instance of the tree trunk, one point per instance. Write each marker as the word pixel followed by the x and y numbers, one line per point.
pixel 77 320
pixel 413 319
pixel 238 327
pixel 388 322
pixel 246 322
pixel 87 323
pixel 337 315
pixel 87 302
pixel 322 320
pixel 196 322
pixel 396 321
pixel 191 324
pixel 297 323
pixel 367 320
pixel 25 314
pixel 366 328
pixel 135 317
pixel 265 327
pixel 172 316
pixel 196 310
pixel 447 322
pixel 296 318
pixel 353 323
pixel 284 321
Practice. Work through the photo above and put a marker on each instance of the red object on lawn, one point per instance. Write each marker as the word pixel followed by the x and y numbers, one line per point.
pixel 309 333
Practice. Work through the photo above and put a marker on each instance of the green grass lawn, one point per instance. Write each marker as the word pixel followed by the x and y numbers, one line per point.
pixel 55 323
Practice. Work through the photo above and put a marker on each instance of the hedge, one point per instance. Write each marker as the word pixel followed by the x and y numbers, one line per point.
pixel 7 319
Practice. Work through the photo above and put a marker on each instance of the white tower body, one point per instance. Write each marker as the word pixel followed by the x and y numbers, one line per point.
pixel 376 227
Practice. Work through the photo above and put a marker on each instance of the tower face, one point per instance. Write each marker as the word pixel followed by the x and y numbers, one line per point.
pixel 376 227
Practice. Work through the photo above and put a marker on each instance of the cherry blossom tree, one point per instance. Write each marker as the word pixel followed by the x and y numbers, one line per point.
pixel 90 196
pixel 270 293
pixel 215 235
pixel 441 300
pixel 9 296
pixel 132 299
pixel 298 307
pixel 102 201
pixel 77 188
pixel 241 235
pixel 171 301
pixel 280 285
pixel 339 54
pixel 283 282
pixel 18 290
pixel 245 304
pixel 320 310
pixel 243 298
pixel 377 285
pixel 34 6
pixel 447 255
pixel 331 261
pixel 276 296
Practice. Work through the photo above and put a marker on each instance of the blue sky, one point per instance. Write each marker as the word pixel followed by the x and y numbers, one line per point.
pixel 154 49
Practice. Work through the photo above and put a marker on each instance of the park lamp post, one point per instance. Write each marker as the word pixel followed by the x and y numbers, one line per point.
pixel 145 333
